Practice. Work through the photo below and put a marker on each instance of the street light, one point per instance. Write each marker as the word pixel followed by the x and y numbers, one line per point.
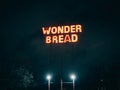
pixel 73 77
pixel 48 77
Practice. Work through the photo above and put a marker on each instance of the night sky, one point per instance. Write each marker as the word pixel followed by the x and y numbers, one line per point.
pixel 94 57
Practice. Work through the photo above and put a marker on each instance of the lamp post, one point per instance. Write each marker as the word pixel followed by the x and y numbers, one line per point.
pixel 61 84
pixel 48 78
pixel 73 77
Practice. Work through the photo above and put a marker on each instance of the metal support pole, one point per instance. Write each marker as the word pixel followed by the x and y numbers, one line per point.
pixel 48 84
pixel 61 85
pixel 73 84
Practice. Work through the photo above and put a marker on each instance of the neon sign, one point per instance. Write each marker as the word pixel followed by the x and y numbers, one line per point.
pixel 61 34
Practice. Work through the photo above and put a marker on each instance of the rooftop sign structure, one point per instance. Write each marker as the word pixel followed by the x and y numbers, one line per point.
pixel 61 34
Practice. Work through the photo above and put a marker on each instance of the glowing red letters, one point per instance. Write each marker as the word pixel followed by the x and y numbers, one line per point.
pixel 61 34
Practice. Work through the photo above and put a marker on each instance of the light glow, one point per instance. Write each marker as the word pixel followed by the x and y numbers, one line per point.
pixel 72 76
pixel 48 77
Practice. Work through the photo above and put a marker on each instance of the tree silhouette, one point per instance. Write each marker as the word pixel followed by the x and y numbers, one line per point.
pixel 22 78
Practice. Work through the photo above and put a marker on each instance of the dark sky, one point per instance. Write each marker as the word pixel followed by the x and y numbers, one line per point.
pixel 94 57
